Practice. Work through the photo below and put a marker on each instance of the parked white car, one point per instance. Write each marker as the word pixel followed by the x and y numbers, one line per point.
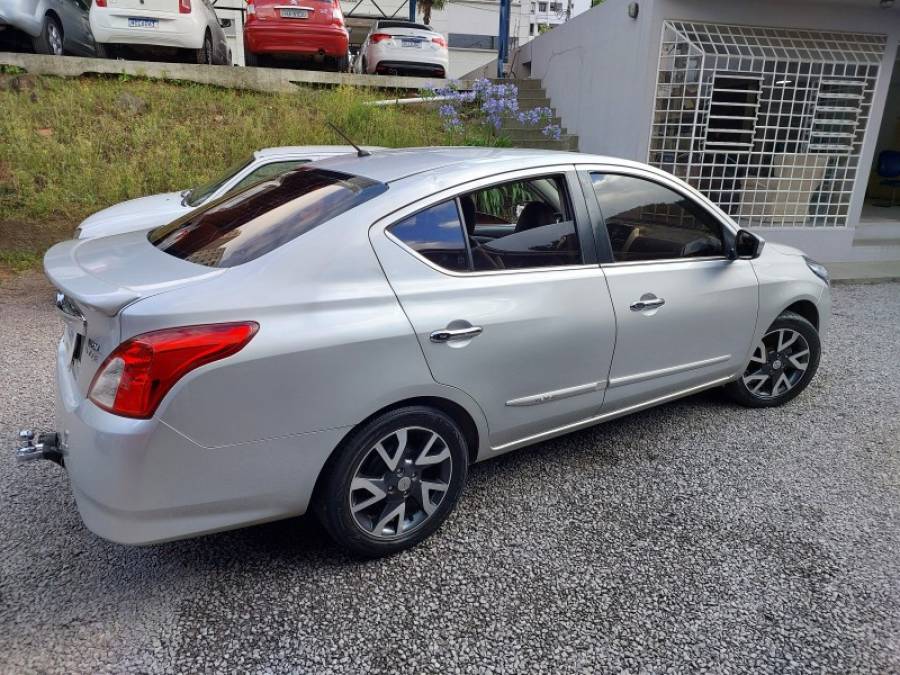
pixel 403 48
pixel 148 212
pixel 183 25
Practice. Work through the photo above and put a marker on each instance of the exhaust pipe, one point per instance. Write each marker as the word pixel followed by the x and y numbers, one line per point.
pixel 47 447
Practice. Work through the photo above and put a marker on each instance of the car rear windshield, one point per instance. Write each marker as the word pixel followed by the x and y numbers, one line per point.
pixel 384 25
pixel 241 227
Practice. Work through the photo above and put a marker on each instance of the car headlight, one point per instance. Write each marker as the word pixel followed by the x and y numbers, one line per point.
pixel 818 269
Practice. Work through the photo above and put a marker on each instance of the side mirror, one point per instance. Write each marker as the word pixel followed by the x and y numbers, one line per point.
pixel 748 245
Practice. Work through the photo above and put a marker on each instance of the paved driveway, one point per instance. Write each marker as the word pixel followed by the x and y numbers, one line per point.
pixel 695 536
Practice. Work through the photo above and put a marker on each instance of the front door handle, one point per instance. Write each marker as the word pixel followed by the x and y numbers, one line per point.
pixel 647 303
pixel 452 334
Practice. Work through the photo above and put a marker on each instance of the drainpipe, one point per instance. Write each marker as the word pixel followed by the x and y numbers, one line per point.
pixel 503 37
pixel 412 10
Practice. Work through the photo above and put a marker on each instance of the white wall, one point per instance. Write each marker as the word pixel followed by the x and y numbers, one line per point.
pixel 600 72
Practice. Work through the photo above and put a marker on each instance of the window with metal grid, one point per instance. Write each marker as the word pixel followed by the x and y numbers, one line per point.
pixel 767 122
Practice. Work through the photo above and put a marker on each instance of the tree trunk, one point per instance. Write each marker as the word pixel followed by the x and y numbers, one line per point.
pixel 426 11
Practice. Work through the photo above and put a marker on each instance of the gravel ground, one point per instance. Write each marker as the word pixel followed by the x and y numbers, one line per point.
pixel 696 536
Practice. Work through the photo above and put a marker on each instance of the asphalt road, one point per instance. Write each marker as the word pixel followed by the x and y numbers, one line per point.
pixel 696 536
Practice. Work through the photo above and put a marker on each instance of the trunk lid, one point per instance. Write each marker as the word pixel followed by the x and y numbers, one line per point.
pixel 318 12
pixel 155 6
pixel 96 279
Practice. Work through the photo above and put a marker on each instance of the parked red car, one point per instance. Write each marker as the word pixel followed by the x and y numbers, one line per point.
pixel 296 28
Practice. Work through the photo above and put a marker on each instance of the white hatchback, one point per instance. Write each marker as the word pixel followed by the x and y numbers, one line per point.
pixel 185 25
pixel 144 213
pixel 403 48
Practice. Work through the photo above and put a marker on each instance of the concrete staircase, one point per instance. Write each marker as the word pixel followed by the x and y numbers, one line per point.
pixel 532 95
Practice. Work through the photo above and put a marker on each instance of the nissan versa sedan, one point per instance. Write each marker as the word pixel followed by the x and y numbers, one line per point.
pixel 146 212
pixel 350 336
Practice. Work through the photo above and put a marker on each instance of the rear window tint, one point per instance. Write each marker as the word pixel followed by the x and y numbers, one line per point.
pixel 243 226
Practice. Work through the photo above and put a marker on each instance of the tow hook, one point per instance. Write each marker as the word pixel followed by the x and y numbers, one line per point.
pixel 47 447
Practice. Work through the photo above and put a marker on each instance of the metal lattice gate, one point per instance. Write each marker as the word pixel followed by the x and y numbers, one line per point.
pixel 767 122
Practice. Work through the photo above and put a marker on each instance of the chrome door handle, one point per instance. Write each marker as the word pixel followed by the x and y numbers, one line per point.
pixel 649 303
pixel 451 334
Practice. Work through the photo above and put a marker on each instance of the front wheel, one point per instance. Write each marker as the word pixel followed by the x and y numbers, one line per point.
pixel 783 363
pixel 394 481
pixel 50 41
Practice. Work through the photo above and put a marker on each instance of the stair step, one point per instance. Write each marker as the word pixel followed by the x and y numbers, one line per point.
pixel 522 84
pixel 527 102
pixel 513 126
pixel 533 134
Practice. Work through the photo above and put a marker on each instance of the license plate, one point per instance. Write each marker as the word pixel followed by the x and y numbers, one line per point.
pixel 290 13
pixel 142 23
pixel 72 347
pixel 410 43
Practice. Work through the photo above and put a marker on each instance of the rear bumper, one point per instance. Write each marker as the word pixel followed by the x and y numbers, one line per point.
pixel 406 67
pixel 183 31
pixel 302 39
pixel 142 482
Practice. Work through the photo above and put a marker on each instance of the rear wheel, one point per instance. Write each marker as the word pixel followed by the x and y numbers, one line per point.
pixel 394 481
pixel 205 53
pixel 783 363
pixel 342 63
pixel 50 41
pixel 250 59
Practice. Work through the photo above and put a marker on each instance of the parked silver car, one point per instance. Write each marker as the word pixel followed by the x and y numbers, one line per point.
pixel 52 26
pixel 351 335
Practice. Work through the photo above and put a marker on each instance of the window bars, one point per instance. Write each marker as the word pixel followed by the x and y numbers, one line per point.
pixel 767 122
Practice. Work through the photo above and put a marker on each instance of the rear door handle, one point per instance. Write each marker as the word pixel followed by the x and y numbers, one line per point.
pixel 452 334
pixel 647 303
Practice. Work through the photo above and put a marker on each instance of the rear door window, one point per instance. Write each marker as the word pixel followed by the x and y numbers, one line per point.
pixel 242 227
pixel 436 234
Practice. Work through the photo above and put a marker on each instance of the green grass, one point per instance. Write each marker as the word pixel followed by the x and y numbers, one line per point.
pixel 19 261
pixel 70 148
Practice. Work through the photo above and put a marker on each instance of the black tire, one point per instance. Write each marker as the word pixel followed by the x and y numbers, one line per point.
pixel 204 55
pixel 250 59
pixel 355 458
pixel 779 365
pixel 100 51
pixel 50 41
pixel 342 63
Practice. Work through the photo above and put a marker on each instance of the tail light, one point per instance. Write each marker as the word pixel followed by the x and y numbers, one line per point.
pixel 379 37
pixel 100 3
pixel 337 16
pixel 184 6
pixel 140 372
pixel 439 41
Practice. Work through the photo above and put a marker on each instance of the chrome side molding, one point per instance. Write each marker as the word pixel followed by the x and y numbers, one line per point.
pixel 557 394
pixel 662 372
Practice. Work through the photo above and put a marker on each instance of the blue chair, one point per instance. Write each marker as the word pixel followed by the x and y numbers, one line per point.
pixel 889 171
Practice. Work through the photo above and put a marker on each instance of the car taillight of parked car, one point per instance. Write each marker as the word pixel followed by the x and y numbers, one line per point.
pixel 439 41
pixel 184 6
pixel 138 374
pixel 100 3
pixel 337 17
pixel 379 37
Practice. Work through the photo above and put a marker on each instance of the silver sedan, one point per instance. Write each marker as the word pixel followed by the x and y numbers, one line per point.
pixel 350 336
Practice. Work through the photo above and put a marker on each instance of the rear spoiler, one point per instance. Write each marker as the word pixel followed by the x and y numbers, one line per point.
pixel 68 276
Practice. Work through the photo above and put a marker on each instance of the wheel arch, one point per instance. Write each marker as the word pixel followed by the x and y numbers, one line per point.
pixel 805 308
pixel 453 409
pixel 52 14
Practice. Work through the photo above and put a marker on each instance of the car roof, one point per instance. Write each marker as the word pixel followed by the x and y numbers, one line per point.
pixel 386 166
pixel 306 150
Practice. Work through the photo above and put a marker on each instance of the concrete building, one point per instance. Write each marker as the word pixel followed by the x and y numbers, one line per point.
pixel 546 14
pixel 470 26
pixel 776 109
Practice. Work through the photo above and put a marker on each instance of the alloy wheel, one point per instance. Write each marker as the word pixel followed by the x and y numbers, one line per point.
pixel 54 38
pixel 778 363
pixel 400 482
